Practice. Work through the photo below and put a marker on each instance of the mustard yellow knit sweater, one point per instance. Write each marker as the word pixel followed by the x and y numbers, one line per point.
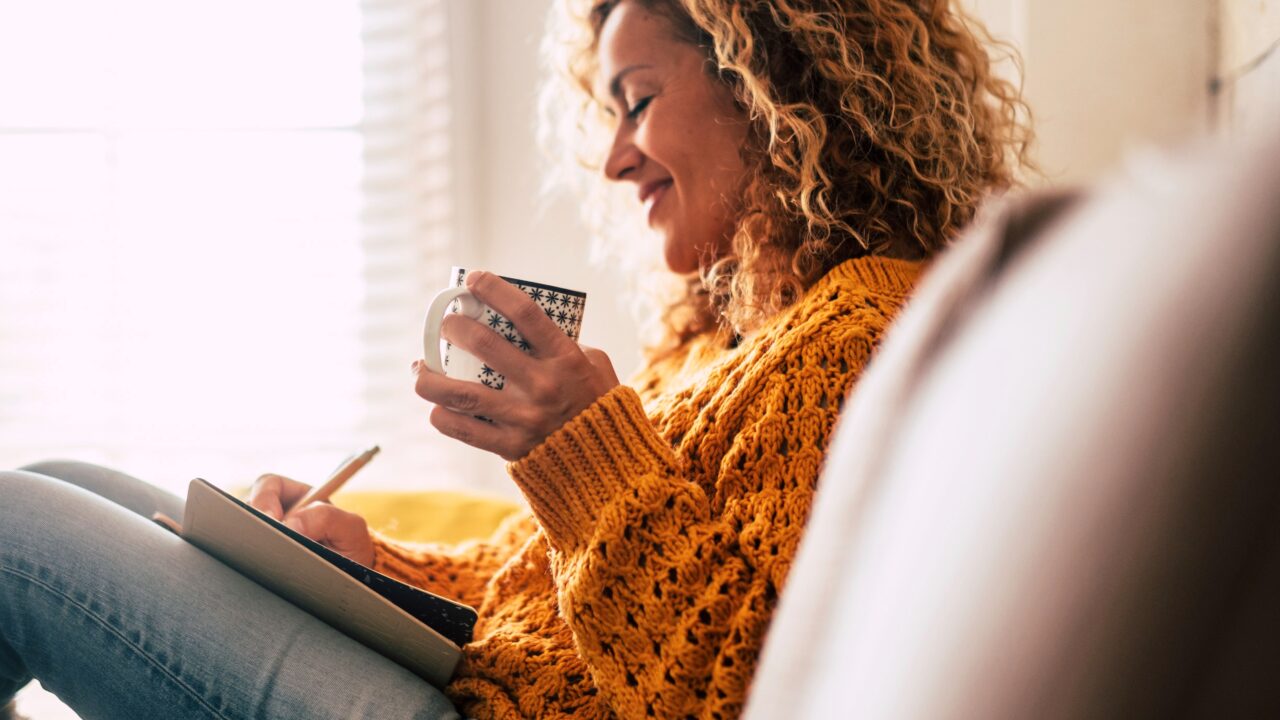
pixel 664 520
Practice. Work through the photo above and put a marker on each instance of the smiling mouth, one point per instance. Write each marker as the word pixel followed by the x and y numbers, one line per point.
pixel 652 195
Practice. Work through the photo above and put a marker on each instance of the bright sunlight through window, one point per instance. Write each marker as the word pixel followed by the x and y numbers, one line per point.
pixel 202 230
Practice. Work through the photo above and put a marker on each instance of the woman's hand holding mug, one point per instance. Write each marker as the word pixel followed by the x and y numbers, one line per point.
pixel 507 392
pixel 344 532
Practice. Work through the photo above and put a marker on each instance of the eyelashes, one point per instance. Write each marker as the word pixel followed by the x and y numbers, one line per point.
pixel 634 112
pixel 638 108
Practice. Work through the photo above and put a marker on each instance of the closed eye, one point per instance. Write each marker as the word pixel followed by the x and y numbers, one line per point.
pixel 638 108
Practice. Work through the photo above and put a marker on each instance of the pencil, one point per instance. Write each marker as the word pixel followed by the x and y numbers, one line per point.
pixel 340 476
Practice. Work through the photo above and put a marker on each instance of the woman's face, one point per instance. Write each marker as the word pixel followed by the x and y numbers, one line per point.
pixel 677 134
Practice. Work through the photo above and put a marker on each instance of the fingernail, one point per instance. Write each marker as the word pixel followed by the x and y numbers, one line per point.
pixel 415 366
pixel 475 277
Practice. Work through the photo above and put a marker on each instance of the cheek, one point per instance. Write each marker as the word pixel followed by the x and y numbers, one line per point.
pixel 663 139
pixel 723 173
pixel 717 147
pixel 729 138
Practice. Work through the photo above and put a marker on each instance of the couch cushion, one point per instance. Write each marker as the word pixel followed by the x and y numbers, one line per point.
pixel 1054 493
pixel 440 516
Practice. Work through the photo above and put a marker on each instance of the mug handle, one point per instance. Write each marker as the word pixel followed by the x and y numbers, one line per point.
pixel 470 306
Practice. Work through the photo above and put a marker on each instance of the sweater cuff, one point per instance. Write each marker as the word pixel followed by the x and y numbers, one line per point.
pixel 584 465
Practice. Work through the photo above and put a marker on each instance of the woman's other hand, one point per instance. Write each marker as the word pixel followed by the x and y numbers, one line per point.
pixel 544 389
pixel 344 532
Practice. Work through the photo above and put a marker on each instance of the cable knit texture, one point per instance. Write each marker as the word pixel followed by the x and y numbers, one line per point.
pixel 665 519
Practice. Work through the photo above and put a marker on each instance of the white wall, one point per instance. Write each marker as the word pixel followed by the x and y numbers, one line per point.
pixel 1103 77
pixel 1106 76
pixel 1249 88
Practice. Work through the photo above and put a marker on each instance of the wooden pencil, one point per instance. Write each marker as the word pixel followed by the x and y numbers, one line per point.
pixel 340 476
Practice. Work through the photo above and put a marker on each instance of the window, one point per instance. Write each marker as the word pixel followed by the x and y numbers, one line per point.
pixel 219 224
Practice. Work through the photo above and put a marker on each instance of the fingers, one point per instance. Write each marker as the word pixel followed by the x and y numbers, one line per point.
pixel 491 348
pixel 325 523
pixel 544 388
pixel 544 336
pixel 502 441
pixel 272 493
pixel 523 414
pixel 343 531
pixel 461 395
pixel 333 527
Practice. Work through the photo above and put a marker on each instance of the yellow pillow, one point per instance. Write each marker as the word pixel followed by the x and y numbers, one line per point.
pixel 441 516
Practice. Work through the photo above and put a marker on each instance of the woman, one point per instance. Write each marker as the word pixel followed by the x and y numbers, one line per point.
pixel 800 164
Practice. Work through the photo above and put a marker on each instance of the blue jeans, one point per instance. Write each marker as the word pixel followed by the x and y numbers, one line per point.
pixel 121 619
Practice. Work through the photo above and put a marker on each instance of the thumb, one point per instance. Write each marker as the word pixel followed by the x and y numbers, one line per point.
pixel 600 360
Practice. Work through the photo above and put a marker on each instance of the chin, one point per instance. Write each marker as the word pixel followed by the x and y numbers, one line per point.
pixel 681 262
pixel 682 259
pixel 689 252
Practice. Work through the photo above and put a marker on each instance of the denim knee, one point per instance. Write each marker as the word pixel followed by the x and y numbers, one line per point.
pixel 23 496
pixel 118 487
pixel 23 492
pixel 62 469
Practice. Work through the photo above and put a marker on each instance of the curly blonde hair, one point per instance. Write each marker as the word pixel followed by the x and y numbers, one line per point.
pixel 876 127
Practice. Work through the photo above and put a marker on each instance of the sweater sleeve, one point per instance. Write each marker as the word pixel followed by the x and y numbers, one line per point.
pixel 459 572
pixel 667 579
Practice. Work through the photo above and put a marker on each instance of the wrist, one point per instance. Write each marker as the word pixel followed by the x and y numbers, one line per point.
pixel 581 468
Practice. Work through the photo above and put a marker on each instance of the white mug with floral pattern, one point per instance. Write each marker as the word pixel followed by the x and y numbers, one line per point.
pixel 564 307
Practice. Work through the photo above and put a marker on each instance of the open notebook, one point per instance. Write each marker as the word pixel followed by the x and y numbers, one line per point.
pixel 419 630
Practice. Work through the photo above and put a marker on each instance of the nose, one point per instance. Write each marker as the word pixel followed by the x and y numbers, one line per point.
pixel 624 157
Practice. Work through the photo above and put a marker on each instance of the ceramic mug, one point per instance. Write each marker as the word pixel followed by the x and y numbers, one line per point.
pixel 564 307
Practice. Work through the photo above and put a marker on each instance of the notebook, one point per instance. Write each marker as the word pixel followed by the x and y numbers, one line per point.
pixel 419 630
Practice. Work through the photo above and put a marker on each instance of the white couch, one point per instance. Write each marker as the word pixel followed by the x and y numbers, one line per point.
pixel 1056 491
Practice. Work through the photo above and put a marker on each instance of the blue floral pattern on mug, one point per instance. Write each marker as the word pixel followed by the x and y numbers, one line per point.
pixel 564 307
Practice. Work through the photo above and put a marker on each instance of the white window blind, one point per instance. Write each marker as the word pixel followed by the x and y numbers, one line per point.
pixel 219 225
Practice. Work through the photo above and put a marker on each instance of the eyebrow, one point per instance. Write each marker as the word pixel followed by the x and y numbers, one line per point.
pixel 615 85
